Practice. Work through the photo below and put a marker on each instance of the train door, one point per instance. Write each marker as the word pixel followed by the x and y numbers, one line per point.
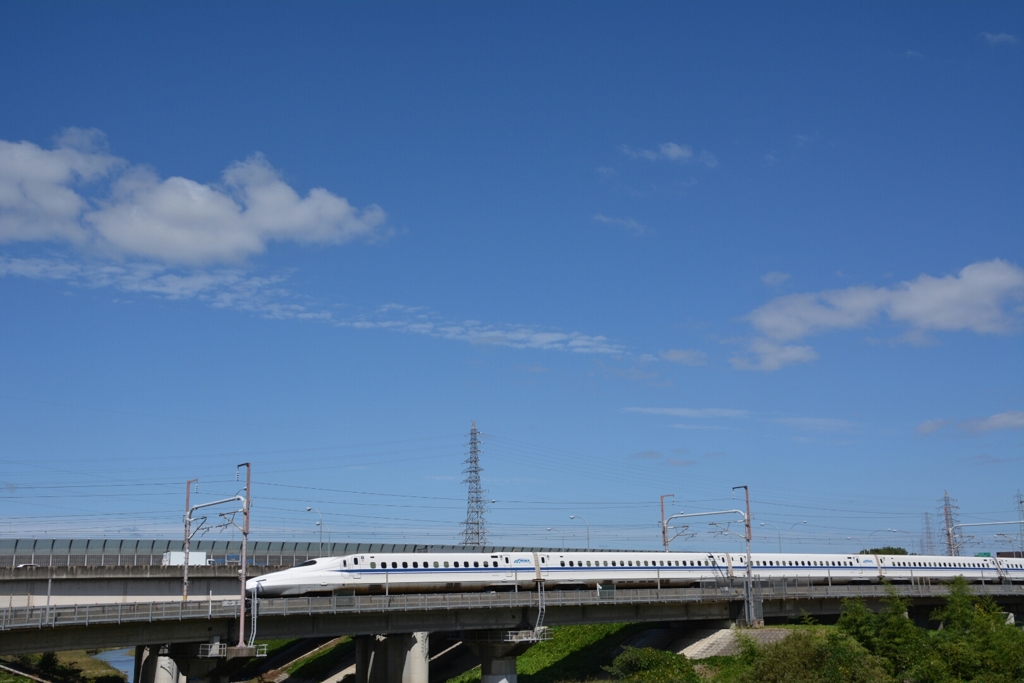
pixel 356 574
pixel 508 567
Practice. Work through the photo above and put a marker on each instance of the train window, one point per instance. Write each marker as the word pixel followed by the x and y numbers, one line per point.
pixel 405 565
pixel 630 563
pixel 571 564
pixel 543 560
pixel 506 560
pixel 476 564
pixel 645 563
pixel 415 565
pixel 344 563
pixel 485 563
pixel 563 563
pixel 394 565
pixel 588 563
pixel 435 564
pixel 456 564
pixel 446 564
pixel 373 565
pixel 355 560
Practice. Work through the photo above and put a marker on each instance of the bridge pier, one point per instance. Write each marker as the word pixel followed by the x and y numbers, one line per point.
pixel 152 666
pixel 394 658
pixel 497 660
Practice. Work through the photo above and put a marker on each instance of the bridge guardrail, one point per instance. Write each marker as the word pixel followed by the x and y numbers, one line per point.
pixel 121 613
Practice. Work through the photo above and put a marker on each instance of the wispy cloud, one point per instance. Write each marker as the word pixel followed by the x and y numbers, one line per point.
pixel 627 223
pixel 999 38
pixel 986 460
pixel 685 357
pixel 681 462
pixel 79 194
pixel 670 151
pixel 977 299
pixel 270 297
pixel 1011 419
pixel 816 424
pixel 478 333
pixel 648 455
pixel 221 288
pixel 774 278
pixel 696 413
pixel 768 356
pixel 931 426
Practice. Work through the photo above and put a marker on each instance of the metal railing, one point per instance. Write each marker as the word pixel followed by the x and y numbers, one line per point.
pixel 725 591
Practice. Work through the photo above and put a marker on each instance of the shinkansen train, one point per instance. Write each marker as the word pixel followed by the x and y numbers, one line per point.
pixel 463 572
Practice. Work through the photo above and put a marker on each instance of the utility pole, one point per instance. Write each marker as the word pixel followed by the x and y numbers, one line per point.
pixel 1020 525
pixel 245 537
pixel 188 534
pixel 474 528
pixel 749 588
pixel 664 527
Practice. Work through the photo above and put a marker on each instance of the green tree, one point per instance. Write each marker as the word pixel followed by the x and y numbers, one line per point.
pixel 808 657
pixel 885 550
pixel 975 641
pixel 647 665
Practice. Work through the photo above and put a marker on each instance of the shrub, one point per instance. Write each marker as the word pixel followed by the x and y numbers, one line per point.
pixel 647 665
pixel 806 657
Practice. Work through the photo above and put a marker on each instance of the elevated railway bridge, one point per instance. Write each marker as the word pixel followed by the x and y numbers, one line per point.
pixel 56 604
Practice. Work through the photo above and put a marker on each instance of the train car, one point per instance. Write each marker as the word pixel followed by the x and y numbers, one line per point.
pixel 462 572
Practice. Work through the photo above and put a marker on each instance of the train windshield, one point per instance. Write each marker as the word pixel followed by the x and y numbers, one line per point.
pixel 307 563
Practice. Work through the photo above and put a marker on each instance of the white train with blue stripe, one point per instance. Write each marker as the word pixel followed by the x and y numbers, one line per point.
pixel 462 572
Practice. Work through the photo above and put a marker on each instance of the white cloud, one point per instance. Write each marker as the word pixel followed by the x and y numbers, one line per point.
pixel 769 356
pixel 774 278
pixel 1011 419
pixel 999 38
pixel 975 299
pixel 37 196
pixel 48 195
pixel 699 413
pixel 671 151
pixel 627 223
pixel 686 357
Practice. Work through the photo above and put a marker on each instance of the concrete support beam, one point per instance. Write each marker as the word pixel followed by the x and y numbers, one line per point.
pixel 395 658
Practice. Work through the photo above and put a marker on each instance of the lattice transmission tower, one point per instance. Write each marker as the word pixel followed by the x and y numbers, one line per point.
pixel 474 530
pixel 927 536
pixel 950 510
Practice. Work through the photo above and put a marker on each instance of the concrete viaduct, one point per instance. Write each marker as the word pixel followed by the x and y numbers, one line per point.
pixel 177 639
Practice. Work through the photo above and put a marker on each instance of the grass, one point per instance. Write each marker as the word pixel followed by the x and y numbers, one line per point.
pixel 575 653
pixel 319 665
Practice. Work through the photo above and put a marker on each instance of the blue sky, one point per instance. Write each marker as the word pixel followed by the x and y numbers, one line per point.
pixel 662 248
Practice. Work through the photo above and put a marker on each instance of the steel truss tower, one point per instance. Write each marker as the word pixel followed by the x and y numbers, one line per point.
pixel 474 530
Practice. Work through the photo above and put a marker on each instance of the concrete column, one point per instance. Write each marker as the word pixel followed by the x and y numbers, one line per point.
pixel 153 667
pixel 498 670
pixel 497 660
pixel 371 659
pixel 408 657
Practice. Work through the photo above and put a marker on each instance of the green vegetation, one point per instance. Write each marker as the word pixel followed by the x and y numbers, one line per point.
pixel 973 645
pixel 885 550
pixel 8 677
pixel 575 653
pixel 73 666
pixel 319 664
pixel 647 665
pixel 253 667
